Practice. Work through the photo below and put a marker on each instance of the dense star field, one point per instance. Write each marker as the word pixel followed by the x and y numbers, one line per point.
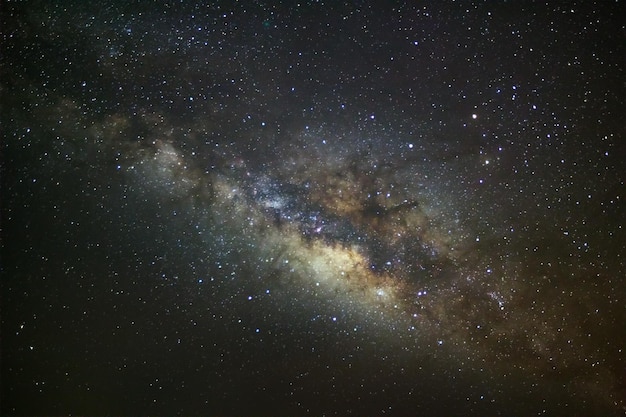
pixel 313 208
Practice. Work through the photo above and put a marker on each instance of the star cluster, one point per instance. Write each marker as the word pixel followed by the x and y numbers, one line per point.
pixel 312 208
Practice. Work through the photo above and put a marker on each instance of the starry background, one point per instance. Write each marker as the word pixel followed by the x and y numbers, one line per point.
pixel 313 208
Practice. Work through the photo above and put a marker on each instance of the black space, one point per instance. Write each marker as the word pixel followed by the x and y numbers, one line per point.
pixel 313 208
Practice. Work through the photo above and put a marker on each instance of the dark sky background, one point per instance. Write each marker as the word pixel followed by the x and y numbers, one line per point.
pixel 313 208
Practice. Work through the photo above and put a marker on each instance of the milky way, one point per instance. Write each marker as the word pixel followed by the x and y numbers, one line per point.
pixel 312 209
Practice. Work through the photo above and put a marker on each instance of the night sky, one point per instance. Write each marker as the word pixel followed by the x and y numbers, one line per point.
pixel 313 208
